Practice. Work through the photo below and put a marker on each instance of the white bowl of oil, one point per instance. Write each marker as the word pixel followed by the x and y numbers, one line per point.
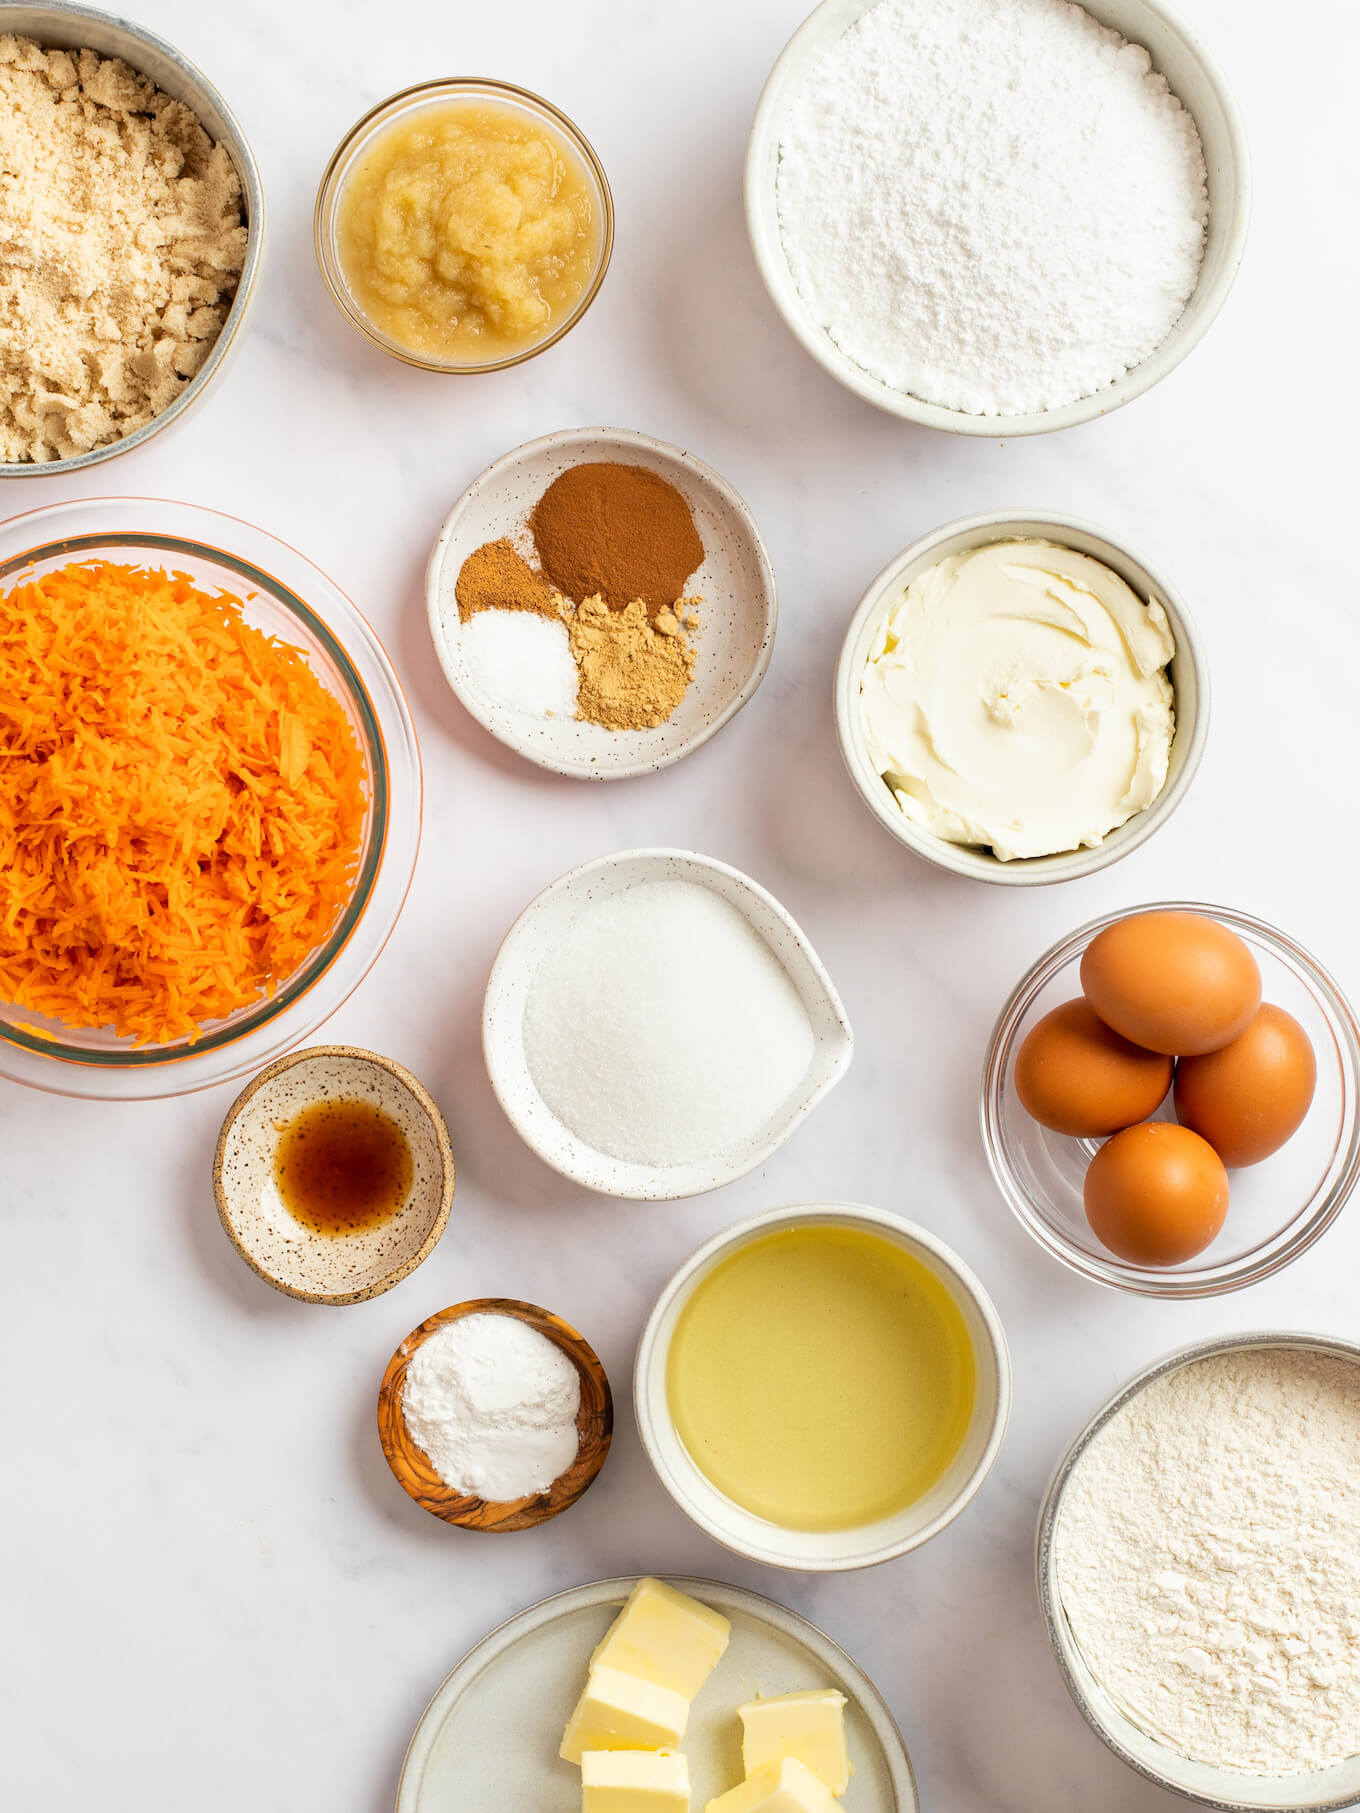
pixel 823 1387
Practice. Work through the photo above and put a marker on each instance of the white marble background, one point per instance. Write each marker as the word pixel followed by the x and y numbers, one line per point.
pixel 216 1597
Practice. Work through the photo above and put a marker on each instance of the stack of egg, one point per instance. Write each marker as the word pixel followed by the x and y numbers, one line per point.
pixel 1167 995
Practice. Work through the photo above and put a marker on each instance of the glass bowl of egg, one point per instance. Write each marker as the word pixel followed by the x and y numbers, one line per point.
pixel 1171 1100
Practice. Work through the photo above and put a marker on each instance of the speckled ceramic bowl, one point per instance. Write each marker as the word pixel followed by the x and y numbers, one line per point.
pixel 534 934
pixel 737 616
pixel 318 1268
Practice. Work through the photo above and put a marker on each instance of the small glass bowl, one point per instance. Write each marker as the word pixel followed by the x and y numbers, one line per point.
pixel 361 137
pixel 1277 1209
pixel 285 596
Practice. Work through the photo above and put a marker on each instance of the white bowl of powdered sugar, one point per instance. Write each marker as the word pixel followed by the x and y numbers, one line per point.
pixel 1199 1573
pixel 997 219
pixel 656 1025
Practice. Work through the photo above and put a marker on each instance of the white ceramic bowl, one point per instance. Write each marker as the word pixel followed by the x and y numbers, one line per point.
pixel 737 618
pixel 1318 1791
pixel 85 28
pixel 538 929
pixel 1177 52
pixel 1189 678
pixel 825 1551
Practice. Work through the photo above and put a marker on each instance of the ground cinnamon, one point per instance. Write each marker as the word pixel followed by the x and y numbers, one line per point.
pixel 617 532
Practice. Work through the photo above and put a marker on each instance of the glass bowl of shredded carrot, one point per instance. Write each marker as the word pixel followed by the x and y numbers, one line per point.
pixel 209 797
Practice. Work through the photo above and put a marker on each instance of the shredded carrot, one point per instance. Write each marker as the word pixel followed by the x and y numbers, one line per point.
pixel 181 803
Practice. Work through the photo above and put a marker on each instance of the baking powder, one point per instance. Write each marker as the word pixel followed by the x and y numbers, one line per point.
pixel 994 205
pixel 493 1403
pixel 1207 1556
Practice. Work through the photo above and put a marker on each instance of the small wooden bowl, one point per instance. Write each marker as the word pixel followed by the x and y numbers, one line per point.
pixel 411 1465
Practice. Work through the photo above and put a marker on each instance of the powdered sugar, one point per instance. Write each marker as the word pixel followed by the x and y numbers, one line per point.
pixel 994 205
pixel 1207 1560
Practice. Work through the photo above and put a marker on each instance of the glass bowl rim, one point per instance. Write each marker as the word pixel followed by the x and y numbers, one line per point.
pixel 1254 1265
pixel 322 960
pixel 329 190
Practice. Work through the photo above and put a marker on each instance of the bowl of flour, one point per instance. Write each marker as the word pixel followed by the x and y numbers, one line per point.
pixel 997 219
pixel 1200 1579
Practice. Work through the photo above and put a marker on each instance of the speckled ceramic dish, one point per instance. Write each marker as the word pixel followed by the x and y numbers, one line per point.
pixel 538 929
pixel 320 1268
pixel 413 1470
pixel 737 615
pixel 487 1741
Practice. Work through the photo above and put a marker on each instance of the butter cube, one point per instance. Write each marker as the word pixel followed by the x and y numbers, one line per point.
pixel 787 1787
pixel 809 1726
pixel 624 1712
pixel 634 1781
pixel 665 1637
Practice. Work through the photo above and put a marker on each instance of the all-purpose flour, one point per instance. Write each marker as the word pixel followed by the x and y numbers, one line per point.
pixel 994 205
pixel 1208 1558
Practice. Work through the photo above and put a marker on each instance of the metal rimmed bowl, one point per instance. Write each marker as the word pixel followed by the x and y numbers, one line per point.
pixel 1276 1209
pixel 1194 77
pixel 364 134
pixel 1189 673
pixel 85 28
pixel 1227 1791
pixel 826 1551
pixel 285 596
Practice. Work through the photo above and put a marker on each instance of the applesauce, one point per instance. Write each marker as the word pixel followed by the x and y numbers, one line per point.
pixel 467 232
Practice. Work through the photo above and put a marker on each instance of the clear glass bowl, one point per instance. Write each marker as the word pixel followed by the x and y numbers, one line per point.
pixel 285 596
pixel 1276 1210
pixel 360 138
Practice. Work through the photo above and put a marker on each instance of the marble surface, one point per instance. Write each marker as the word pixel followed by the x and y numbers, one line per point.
pixel 216 1596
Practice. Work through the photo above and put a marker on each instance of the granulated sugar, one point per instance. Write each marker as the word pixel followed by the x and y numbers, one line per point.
pixel 993 205
pixel 662 1028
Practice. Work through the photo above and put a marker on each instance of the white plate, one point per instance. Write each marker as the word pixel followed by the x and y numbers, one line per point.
pixel 737 616
pixel 487 1742
pixel 538 929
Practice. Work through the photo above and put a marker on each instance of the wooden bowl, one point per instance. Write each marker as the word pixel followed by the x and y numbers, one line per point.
pixel 595 1425
pixel 278 1248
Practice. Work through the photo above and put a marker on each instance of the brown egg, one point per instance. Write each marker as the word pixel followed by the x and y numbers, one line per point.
pixel 1250 1097
pixel 1075 1075
pixel 1178 983
pixel 1156 1194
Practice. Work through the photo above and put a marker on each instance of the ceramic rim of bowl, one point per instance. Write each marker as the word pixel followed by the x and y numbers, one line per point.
pixel 1159 1282
pixel 330 189
pixel 316 965
pixel 1061 1639
pixel 122 35
pixel 762 221
pixel 972 861
pixel 649 1380
pixel 355 1054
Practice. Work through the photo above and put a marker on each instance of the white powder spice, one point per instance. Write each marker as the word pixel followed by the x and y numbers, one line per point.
pixel 1207 1556
pixel 494 1404
pixel 662 1029
pixel 522 661
pixel 994 205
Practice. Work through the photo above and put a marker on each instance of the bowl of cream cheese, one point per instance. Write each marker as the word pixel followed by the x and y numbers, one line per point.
pixel 1020 699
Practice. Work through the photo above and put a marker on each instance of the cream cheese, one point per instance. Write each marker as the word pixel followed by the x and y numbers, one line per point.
pixel 1017 698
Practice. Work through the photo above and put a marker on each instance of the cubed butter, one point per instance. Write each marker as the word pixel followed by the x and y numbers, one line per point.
pixel 787 1787
pixel 624 1712
pixel 634 1781
pixel 809 1726
pixel 665 1637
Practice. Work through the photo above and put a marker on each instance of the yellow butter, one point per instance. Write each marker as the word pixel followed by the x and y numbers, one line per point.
pixel 665 1636
pixel 808 1726
pixel 634 1781
pixel 787 1787
pixel 624 1712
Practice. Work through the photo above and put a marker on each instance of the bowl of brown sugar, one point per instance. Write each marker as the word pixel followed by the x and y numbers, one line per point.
pixel 601 602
